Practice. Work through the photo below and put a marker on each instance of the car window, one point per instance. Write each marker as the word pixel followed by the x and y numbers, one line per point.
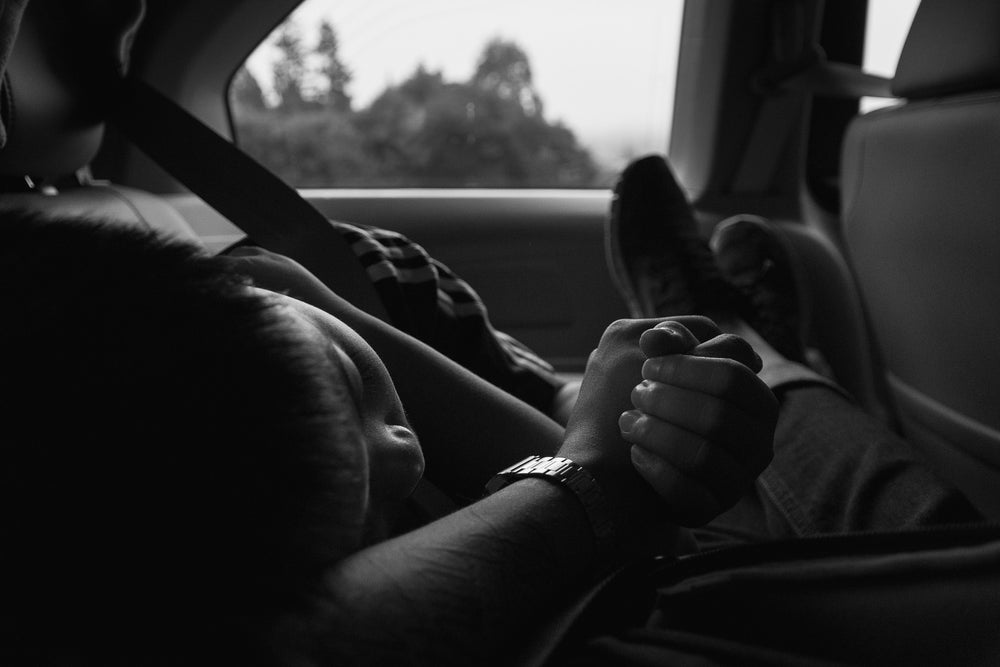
pixel 460 93
pixel 885 31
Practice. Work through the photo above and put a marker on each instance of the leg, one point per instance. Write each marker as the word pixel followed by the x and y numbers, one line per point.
pixel 835 469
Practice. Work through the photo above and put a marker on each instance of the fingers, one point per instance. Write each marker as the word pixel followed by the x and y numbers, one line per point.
pixel 746 436
pixel 247 251
pixel 715 377
pixel 702 327
pixel 691 455
pixel 728 346
pixel 667 337
pixel 703 426
pixel 678 335
pixel 674 336
pixel 251 260
pixel 689 503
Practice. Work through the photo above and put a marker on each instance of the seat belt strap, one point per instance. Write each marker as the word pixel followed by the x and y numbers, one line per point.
pixel 797 66
pixel 259 203
pixel 830 79
pixel 778 115
pixel 773 126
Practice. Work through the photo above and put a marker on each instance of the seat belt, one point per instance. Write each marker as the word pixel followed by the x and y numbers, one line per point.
pixel 796 68
pixel 831 79
pixel 772 127
pixel 259 203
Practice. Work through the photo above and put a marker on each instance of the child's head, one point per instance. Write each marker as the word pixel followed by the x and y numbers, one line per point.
pixel 393 456
pixel 177 446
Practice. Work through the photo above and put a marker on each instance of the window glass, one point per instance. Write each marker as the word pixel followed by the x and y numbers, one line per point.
pixel 886 28
pixel 460 93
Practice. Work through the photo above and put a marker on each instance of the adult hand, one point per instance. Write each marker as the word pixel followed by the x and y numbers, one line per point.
pixel 703 424
pixel 592 436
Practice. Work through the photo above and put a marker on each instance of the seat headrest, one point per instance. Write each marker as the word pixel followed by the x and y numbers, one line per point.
pixel 953 47
pixel 66 61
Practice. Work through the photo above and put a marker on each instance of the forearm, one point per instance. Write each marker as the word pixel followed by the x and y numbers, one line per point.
pixel 473 588
pixel 445 402
pixel 468 428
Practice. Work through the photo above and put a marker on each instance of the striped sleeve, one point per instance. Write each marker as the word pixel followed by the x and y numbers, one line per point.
pixel 428 301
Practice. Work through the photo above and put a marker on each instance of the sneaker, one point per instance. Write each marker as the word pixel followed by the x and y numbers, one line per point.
pixel 758 261
pixel 657 258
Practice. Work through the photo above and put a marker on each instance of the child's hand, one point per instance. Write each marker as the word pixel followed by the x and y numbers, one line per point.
pixel 276 273
pixel 703 423
pixel 279 273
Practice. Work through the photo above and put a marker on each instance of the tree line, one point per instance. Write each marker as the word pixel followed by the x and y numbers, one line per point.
pixel 488 131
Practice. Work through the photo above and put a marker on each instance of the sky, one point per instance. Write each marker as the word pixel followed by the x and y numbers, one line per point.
pixel 888 23
pixel 604 68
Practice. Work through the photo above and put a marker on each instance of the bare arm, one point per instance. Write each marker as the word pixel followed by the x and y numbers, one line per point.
pixel 470 589
pixel 477 586
pixel 468 428
pixel 474 586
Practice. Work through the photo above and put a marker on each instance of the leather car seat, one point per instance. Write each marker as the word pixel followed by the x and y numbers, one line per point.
pixel 53 116
pixel 921 231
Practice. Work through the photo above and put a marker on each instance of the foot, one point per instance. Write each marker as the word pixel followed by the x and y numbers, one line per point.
pixel 658 260
pixel 756 259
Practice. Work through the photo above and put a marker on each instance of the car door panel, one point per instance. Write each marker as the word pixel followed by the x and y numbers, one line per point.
pixel 536 258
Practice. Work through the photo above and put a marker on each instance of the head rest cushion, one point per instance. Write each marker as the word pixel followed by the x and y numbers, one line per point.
pixel 61 75
pixel 10 21
pixel 953 47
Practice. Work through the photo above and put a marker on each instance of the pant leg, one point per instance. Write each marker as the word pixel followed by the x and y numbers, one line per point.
pixel 836 469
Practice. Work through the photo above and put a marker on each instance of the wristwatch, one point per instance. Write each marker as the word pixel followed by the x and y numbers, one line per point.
pixel 574 477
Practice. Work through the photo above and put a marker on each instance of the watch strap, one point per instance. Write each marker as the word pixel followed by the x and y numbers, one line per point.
pixel 575 478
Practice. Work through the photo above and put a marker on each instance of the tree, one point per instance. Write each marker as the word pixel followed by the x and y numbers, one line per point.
pixel 310 148
pixel 289 69
pixel 489 131
pixel 503 70
pixel 337 75
pixel 394 128
pixel 486 132
pixel 245 93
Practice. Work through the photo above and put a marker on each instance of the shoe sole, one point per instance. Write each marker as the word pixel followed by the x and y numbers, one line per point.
pixel 775 233
pixel 647 174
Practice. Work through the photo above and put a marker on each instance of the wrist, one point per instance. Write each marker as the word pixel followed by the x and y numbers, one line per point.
pixel 634 504
pixel 622 512
pixel 575 479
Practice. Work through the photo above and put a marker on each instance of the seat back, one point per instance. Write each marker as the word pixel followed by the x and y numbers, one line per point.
pixel 921 230
pixel 56 93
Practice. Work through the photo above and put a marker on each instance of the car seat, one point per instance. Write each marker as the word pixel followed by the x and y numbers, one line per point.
pixel 66 76
pixel 921 231
pixel 54 129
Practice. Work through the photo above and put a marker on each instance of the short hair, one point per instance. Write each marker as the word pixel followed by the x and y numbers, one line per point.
pixel 177 461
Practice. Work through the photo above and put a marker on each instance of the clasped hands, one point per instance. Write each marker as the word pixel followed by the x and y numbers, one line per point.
pixel 676 404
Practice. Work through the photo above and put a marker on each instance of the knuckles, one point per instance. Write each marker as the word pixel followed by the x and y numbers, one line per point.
pixel 623 330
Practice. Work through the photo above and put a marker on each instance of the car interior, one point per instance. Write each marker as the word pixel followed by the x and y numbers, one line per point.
pixel 891 211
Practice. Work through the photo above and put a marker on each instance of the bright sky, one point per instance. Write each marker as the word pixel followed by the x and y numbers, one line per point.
pixel 605 69
pixel 888 23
